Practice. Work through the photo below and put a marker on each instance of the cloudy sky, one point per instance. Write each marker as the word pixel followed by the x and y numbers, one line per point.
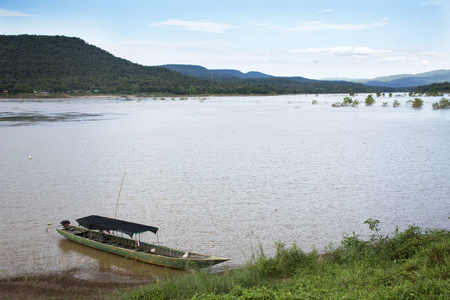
pixel 309 38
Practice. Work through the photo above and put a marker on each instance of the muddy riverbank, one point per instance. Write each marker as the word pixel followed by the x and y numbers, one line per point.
pixel 71 284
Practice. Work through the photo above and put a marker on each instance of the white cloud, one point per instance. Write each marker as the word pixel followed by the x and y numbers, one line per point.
pixel 342 51
pixel 204 26
pixel 422 63
pixel 325 10
pixel 12 13
pixel 430 53
pixel 197 45
pixel 411 59
pixel 318 25
pixel 395 58
pixel 430 3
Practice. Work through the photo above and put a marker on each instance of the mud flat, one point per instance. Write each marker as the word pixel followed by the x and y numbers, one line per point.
pixel 72 284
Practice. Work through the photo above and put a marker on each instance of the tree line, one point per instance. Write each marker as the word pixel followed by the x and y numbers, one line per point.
pixel 434 88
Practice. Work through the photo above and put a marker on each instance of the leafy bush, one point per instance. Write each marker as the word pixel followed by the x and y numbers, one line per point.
pixel 443 103
pixel 416 103
pixel 346 102
pixel 369 100
pixel 285 262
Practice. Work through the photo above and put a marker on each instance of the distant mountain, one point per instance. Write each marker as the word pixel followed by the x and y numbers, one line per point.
pixel 204 73
pixel 230 74
pixel 394 81
pixel 406 80
pixel 297 84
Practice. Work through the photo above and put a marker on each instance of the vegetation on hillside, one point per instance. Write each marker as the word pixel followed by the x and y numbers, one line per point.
pixel 412 264
pixel 61 64
pixel 434 89
pixel 58 64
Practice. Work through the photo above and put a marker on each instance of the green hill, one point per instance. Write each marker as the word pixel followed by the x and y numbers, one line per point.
pixel 60 64
pixel 434 88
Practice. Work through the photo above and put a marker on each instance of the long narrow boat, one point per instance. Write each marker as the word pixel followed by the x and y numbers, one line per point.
pixel 93 230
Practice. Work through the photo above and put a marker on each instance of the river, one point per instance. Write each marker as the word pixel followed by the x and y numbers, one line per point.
pixel 217 175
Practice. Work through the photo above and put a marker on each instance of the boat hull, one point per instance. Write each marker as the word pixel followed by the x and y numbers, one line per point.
pixel 182 263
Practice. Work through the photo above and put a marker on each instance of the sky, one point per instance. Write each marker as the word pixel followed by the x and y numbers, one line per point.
pixel 309 38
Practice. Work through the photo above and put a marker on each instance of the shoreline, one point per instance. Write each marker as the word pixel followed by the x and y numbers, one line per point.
pixel 65 96
pixel 73 283
pixel 83 96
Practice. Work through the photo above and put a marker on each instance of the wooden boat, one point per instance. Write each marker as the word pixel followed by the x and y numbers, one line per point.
pixel 93 230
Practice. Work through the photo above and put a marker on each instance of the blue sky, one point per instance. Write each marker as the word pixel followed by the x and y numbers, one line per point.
pixel 313 39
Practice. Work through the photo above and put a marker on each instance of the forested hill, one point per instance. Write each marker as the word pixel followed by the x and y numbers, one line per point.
pixel 434 88
pixel 60 64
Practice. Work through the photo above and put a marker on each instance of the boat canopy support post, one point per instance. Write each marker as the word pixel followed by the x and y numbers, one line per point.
pixel 118 197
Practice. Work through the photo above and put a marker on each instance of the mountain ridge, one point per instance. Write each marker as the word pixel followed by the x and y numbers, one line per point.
pixel 202 72
pixel 404 80
pixel 391 81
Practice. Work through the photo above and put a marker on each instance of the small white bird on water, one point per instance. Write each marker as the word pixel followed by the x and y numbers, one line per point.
pixel 29 157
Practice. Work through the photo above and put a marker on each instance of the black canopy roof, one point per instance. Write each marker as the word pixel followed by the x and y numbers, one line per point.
pixel 103 223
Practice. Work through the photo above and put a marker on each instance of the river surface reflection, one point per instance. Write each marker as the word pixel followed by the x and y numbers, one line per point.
pixel 220 175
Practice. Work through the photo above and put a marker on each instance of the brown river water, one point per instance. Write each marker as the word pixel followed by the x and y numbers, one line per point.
pixel 220 176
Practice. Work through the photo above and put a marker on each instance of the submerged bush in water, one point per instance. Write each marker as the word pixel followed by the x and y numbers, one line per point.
pixel 416 103
pixel 346 102
pixel 369 100
pixel 443 103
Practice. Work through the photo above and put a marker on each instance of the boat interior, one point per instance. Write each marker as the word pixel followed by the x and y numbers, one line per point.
pixel 126 243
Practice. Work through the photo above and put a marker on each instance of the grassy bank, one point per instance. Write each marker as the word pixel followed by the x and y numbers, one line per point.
pixel 412 264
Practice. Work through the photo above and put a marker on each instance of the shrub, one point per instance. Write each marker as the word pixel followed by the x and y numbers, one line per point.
pixel 416 103
pixel 443 103
pixel 285 262
pixel 369 100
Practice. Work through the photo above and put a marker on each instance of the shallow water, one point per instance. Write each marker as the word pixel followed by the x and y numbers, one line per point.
pixel 218 176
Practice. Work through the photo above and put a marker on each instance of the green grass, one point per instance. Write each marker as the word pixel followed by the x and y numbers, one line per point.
pixel 413 264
